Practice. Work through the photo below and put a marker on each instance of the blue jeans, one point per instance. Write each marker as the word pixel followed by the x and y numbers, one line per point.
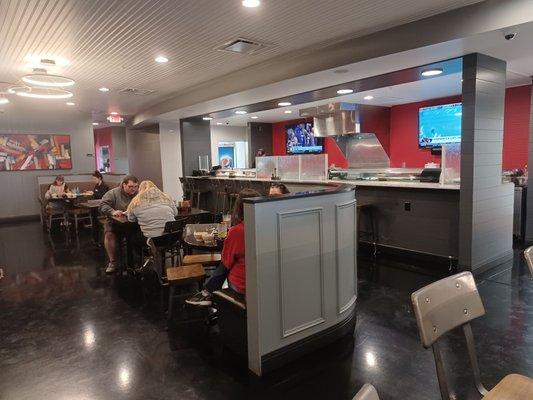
pixel 216 280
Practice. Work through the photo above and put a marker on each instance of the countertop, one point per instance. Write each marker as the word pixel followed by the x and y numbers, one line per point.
pixel 392 184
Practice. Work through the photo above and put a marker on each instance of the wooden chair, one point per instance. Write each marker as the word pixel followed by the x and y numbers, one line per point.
pixel 448 304
pixel 188 278
pixel 367 392
pixel 207 260
pixel 79 214
pixel 528 255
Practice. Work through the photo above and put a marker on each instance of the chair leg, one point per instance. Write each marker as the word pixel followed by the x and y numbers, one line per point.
pixel 170 304
pixel 76 223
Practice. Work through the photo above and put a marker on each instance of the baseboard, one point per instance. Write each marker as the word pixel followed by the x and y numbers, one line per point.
pixel 489 264
pixel 295 350
pixel 19 219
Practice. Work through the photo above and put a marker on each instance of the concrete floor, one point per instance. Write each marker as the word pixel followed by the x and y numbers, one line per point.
pixel 68 332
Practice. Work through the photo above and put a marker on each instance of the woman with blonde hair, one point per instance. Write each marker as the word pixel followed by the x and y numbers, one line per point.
pixel 152 209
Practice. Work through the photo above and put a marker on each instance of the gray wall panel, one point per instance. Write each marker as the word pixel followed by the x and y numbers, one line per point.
pixel 144 154
pixel 195 142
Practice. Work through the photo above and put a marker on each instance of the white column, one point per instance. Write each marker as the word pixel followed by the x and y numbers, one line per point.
pixel 171 163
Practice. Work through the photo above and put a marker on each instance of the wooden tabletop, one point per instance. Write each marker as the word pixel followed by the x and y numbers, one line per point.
pixel 512 387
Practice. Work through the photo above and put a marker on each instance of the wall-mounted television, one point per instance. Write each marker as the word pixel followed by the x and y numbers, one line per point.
pixel 300 139
pixel 439 124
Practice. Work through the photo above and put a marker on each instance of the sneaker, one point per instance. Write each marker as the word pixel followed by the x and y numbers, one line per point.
pixel 202 298
pixel 111 268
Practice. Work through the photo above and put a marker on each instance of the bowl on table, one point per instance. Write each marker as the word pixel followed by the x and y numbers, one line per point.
pixel 208 237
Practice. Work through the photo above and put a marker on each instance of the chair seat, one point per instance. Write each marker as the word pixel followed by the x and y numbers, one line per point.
pixel 185 274
pixel 79 211
pixel 512 387
pixel 204 259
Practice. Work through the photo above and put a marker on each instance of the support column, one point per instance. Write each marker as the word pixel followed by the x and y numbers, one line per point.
pixel 171 162
pixel 486 205
pixel 529 205
pixel 195 142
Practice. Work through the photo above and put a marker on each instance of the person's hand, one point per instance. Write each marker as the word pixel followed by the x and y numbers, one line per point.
pixel 117 213
pixel 89 193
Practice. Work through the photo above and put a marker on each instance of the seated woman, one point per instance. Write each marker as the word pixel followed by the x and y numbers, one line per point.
pixel 100 187
pixel 233 266
pixel 278 189
pixel 152 209
pixel 56 190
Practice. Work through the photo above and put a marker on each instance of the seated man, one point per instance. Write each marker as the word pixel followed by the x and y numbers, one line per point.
pixel 232 266
pixel 114 204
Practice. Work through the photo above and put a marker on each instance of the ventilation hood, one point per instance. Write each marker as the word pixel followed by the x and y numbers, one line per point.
pixel 334 119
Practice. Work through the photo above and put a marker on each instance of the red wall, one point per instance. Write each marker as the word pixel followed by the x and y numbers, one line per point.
pixel 397 130
pixel 516 127
pixel 103 137
pixel 405 152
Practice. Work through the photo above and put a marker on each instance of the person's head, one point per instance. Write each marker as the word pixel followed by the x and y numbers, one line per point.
pixel 277 189
pixel 238 209
pixel 260 152
pixel 97 177
pixel 59 180
pixel 130 184
pixel 149 194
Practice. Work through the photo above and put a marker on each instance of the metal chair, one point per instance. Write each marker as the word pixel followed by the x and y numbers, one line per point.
pixel 528 255
pixel 367 392
pixel 448 304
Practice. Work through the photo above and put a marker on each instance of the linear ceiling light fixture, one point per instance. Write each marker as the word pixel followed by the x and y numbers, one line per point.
pixel 284 103
pixel 207 118
pixel 344 91
pixel 240 112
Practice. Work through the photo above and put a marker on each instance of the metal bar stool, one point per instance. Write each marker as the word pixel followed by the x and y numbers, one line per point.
pixel 368 211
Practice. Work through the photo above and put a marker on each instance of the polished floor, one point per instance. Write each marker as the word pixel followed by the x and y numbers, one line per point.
pixel 67 332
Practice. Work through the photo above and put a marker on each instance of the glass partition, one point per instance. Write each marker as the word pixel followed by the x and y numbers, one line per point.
pixel 304 167
pixel 451 163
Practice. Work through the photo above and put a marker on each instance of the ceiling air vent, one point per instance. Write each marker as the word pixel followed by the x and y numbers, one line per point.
pixel 136 91
pixel 241 46
pixel 48 61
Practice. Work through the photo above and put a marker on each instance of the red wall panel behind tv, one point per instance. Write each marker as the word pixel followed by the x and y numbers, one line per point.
pixel 397 130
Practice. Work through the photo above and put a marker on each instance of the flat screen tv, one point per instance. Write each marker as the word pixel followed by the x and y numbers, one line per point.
pixel 300 139
pixel 439 124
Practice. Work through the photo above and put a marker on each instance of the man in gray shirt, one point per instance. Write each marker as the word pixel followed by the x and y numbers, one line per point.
pixel 114 204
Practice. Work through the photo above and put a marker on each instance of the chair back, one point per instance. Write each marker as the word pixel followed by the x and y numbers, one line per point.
pixel 445 305
pixel 367 392
pixel 175 226
pixel 528 255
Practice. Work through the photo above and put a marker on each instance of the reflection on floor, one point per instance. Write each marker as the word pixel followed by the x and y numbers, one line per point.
pixel 68 332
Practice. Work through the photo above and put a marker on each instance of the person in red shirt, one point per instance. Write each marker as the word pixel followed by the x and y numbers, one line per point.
pixel 232 266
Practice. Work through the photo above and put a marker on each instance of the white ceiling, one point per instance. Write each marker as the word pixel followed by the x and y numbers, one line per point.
pixel 518 53
pixel 113 43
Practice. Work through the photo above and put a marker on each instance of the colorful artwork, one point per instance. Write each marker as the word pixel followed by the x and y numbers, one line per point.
pixel 226 155
pixel 34 152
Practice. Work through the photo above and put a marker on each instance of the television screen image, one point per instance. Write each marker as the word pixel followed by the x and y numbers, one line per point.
pixel 439 124
pixel 301 139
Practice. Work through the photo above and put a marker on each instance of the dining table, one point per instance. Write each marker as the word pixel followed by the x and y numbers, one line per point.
pixel 195 244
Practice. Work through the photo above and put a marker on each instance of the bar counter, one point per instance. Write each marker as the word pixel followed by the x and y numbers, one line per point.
pixel 418 218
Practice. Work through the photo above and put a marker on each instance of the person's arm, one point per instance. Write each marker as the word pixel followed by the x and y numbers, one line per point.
pixel 48 193
pixel 108 203
pixel 132 217
pixel 174 208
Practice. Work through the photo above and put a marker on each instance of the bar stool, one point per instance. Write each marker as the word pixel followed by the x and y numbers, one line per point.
pixel 220 194
pixel 196 190
pixel 368 211
pixel 186 187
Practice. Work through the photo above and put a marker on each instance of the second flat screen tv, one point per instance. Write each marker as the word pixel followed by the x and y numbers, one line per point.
pixel 439 124
pixel 300 139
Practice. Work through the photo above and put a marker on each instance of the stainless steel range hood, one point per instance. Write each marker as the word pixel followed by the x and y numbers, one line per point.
pixel 334 119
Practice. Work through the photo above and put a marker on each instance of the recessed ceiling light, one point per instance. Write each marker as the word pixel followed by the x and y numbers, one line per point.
pixel 287 112
pixel 344 91
pixel 113 113
pixel 254 117
pixel 104 89
pixel 4 100
pixel 284 103
pixel 240 112
pixel 369 97
pixel 95 123
pixel 207 118
pixel 70 103
pixel 161 59
pixel 251 3
pixel 219 123
pixel 432 72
